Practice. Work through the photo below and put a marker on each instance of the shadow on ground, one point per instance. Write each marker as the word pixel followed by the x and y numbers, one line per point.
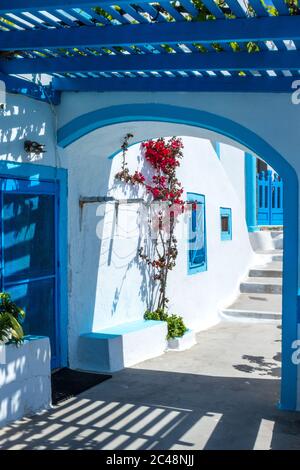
pixel 260 365
pixel 147 409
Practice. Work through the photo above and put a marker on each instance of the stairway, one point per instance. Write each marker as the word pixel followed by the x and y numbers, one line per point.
pixel 261 292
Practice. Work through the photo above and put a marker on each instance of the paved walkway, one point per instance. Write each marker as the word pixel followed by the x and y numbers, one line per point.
pixel 221 394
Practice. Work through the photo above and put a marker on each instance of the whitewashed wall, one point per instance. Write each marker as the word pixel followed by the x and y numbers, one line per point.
pixel 107 283
pixel 25 384
pixel 233 162
pixel 105 278
pixel 27 119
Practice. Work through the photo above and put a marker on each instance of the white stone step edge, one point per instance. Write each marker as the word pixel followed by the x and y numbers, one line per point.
pixel 250 319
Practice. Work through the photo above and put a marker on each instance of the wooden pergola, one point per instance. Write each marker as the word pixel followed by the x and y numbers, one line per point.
pixel 184 45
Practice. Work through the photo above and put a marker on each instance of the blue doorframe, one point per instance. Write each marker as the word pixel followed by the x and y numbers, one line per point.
pixel 250 192
pixel 42 179
pixel 156 112
pixel 269 198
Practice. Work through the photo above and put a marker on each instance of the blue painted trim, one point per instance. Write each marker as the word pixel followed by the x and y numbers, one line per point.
pixel 197 268
pixel 282 60
pixel 113 155
pixel 30 338
pixel 218 149
pixel 124 328
pixel 191 83
pixel 25 87
pixel 84 124
pixel 42 174
pixel 63 264
pixel 30 171
pixel 250 192
pixel 226 211
pixel 242 29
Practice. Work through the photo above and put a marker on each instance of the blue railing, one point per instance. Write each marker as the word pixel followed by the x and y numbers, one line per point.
pixel 269 199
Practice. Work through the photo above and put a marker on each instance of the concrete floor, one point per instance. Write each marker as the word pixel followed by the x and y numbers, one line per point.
pixel 221 394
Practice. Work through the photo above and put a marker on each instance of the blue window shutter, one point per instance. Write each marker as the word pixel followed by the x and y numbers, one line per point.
pixel 197 255
pixel 226 223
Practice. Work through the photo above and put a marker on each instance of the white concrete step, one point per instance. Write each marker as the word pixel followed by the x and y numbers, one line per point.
pixel 255 306
pixel 262 285
pixel 278 242
pixel 260 297
pixel 273 255
pixel 276 233
pixel 273 269
pixel 265 239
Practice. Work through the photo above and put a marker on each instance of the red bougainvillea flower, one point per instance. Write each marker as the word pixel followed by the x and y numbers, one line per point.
pixel 138 177
pixel 163 155
pixel 164 158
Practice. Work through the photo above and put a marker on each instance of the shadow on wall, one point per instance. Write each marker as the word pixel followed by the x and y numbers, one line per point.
pixel 31 121
pixel 204 413
pixel 105 238
pixel 24 379
pixel 137 214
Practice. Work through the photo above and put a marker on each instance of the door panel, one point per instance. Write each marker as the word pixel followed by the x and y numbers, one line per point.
pixel 29 236
pixel 37 298
pixel 29 255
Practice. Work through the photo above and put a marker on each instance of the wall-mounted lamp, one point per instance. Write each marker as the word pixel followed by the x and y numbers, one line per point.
pixel 34 147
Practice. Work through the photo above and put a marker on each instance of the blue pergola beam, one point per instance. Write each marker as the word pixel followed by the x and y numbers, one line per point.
pixel 15 6
pixel 190 84
pixel 230 61
pixel 32 90
pixel 222 31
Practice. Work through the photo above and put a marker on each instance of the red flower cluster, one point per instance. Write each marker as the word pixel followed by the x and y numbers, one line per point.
pixel 138 178
pixel 164 194
pixel 164 156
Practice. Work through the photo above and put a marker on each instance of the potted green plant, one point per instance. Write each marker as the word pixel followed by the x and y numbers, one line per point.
pixel 179 337
pixel 11 316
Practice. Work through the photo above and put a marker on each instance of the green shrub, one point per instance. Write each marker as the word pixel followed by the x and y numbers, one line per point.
pixel 11 317
pixel 176 326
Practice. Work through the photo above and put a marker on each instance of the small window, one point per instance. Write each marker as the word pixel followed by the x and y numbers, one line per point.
pixel 226 223
pixel 197 259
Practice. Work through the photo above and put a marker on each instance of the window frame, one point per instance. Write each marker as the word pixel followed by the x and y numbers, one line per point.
pixel 226 235
pixel 196 268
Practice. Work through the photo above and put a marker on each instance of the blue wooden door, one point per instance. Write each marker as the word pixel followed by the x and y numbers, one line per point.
pixel 276 201
pixel 269 199
pixel 29 255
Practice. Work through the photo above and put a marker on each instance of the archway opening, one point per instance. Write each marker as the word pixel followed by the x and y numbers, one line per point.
pixel 229 131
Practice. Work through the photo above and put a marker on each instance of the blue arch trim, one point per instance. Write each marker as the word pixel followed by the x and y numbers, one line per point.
pixel 91 121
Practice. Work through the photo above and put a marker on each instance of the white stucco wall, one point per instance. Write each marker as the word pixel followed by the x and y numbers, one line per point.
pixel 255 111
pixel 25 382
pixel 104 276
pixel 270 116
pixel 27 119
pixel 107 283
pixel 233 161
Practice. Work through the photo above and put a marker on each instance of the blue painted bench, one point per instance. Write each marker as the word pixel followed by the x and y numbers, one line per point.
pixel 119 346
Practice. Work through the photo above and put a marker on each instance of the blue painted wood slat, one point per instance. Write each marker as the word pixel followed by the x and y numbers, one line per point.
pixel 211 61
pixel 276 29
pixel 237 83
